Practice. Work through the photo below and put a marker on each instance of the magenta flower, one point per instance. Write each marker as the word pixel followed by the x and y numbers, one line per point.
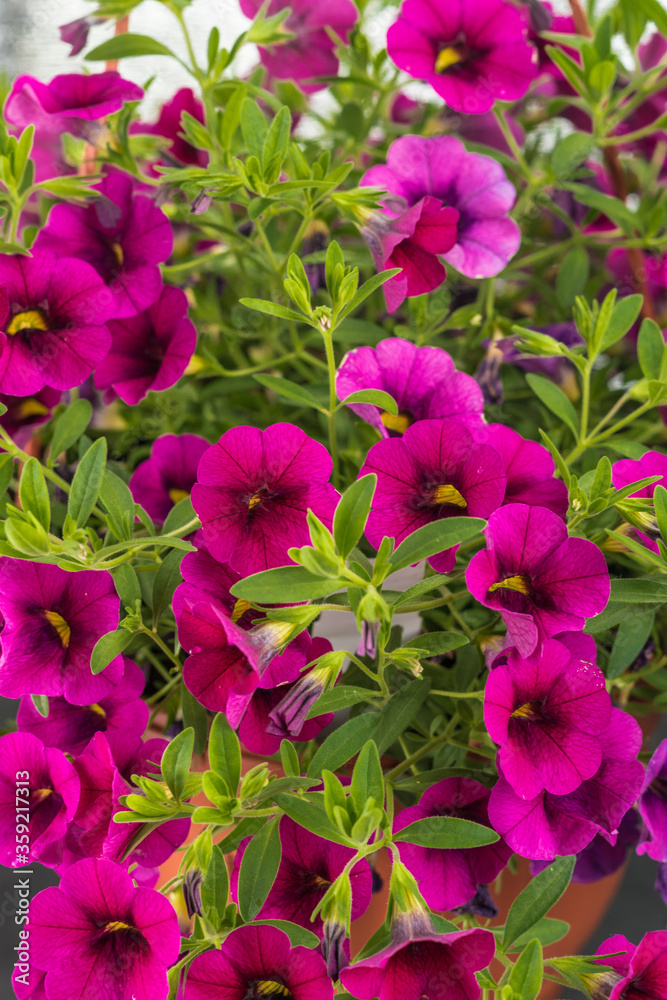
pixel 39 794
pixel 541 581
pixel 96 936
pixel 149 351
pixel 434 471
pixel 628 471
pixel 471 54
pixel 69 102
pixel 311 52
pixel 71 727
pixel 54 334
pixel 253 492
pixel 450 878
pixel 476 186
pixel 549 825
pixel 653 806
pixel 439 966
pixel 206 579
pixel 258 960
pixel 169 126
pixel 52 621
pixel 529 469
pixel 640 973
pixel 122 234
pixel 422 380
pixel 75 33
pixel 168 476
pixel 25 414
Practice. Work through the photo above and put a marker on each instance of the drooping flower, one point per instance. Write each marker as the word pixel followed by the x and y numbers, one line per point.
pixel 168 476
pixel 253 492
pixel 54 334
pixel 422 381
pixel 600 858
pixel 39 792
pixel 149 351
pixel 629 470
pixel 311 52
pixel 433 472
pixel 70 102
pixel 25 414
pixel 451 878
pixel 122 234
pixel 471 54
pixel 75 33
pixel 549 825
pixel 642 971
pixel 257 961
pixel 529 469
pixel 547 713
pixel 97 936
pixel 308 866
pixel 179 150
pixel 653 806
pixel 541 581
pixel 71 727
pixel 52 621
pixel 441 168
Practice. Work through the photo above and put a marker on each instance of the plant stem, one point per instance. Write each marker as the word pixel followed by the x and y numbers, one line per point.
pixel 331 366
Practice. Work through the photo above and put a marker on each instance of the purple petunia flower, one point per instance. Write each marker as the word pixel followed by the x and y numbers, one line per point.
pixel 549 825
pixel 434 471
pixel 169 126
pixel 308 866
pixel 253 492
pixel 149 351
pixel 258 961
pixel 54 334
pixel 641 972
pixel 439 966
pixel 471 54
pixel 653 806
pixel 168 476
pixel 541 581
pixel 39 791
pixel 529 469
pixel 70 102
pixel 422 380
pixel 451 878
pixel 71 727
pixel 52 621
pixel 312 52
pixel 547 713
pixel 122 234
pixel 25 414
pixel 475 185
pixel 628 471
pixel 97 936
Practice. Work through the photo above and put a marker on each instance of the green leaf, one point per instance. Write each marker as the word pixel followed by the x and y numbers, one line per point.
pixel 526 977
pixel 179 515
pixel 69 427
pixel 126 46
pixel 224 752
pixel 537 898
pixel 288 389
pixel 367 289
pixel 299 936
pixel 6 472
pixel 274 309
pixel 34 493
pixel 108 648
pixel 259 867
pixel 447 832
pixel 215 886
pixel 433 538
pixel 547 931
pixel 638 590
pixel 570 152
pixel 289 759
pixel 195 716
pixel 650 349
pixel 277 138
pixel 285 585
pixel 655 12
pixel 573 272
pixel 343 696
pixel 367 779
pixel 254 128
pixel 616 209
pixel 373 397
pixel 87 482
pixel 352 513
pixel 624 314
pixel 127 585
pixel 343 744
pixel 400 711
pixel 166 580
pixel 175 763
pixel 632 635
pixel 41 703
pixel 311 818
pixel 555 400
pixel 435 643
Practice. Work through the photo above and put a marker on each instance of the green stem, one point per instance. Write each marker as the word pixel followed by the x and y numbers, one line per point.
pixel 513 145
pixel 460 694
pixel 333 443
pixel 163 646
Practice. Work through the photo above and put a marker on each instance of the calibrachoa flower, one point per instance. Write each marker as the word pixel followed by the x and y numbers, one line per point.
pixel 52 621
pixel 40 781
pixel 311 52
pixel 450 878
pixel 168 476
pixel 71 727
pixel 541 581
pixel 253 492
pixel 439 966
pixel 422 381
pixel 641 972
pixel 54 334
pixel 75 33
pixel 628 471
pixel 547 713
pixel 441 168
pixel 97 936
pixel 434 471
pixel 25 414
pixel 122 234
pixel 653 806
pixel 149 351
pixel 257 962
pixel 529 469
pixel 69 102
pixel 471 54
pixel 308 866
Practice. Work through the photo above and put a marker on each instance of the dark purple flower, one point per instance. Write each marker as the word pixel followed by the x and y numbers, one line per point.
pixel 97 936
pixel 450 878
pixel 541 581
pixel 629 470
pixel 75 33
pixel 600 858
pixel 653 806
pixel 641 973
pixel 25 414
pixel 52 621
pixel 122 234
pixel 54 334
pixel 39 794
pixel 472 54
pixel 479 905
pixel 69 102
pixel 441 169
pixel 434 471
pixel 253 492
pixel 257 961
pixel 169 125
pixel 422 380
pixel 71 727
pixel 529 469
pixel 661 882
pixel 168 476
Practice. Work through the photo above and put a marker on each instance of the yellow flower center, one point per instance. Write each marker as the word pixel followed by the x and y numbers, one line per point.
pixel 116 925
pixel 526 711
pixel 60 625
pixel 269 987
pixel 448 494
pixel 254 500
pixel 98 710
pixel 520 584
pixel 31 408
pixel 177 495
pixel 31 319
pixel 117 251
pixel 449 56
pixel 240 608
pixel 398 423
pixel 40 794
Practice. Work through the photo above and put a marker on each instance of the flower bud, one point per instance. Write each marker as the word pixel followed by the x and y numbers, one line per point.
pixel 192 891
